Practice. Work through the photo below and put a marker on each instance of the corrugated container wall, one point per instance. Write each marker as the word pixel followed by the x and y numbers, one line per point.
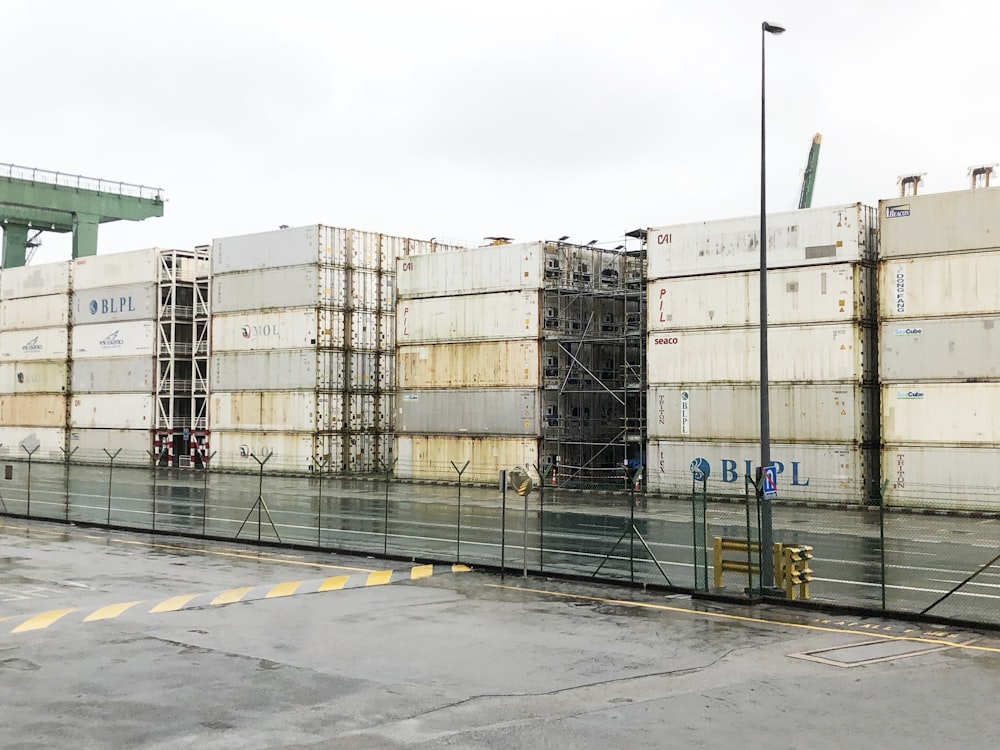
pixel 91 444
pixel 35 344
pixel 476 317
pixel 795 296
pixel 795 238
pixel 940 286
pixel 35 281
pixel 47 311
pixel 44 442
pixel 117 269
pixel 107 340
pixel 34 377
pixel 806 472
pixel 939 223
pixel 804 354
pixel 115 304
pixel 430 457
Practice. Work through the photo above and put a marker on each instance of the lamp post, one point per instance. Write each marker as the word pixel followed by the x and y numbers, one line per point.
pixel 766 529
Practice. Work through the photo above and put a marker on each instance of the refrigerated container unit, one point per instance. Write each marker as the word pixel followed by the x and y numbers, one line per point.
pixel 939 310
pixel 522 343
pixel 306 314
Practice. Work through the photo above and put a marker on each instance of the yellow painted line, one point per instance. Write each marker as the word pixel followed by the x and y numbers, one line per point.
pixel 421 571
pixel 334 583
pixel 746 618
pixel 459 568
pixel 173 603
pixel 283 589
pixel 112 610
pixel 378 578
pixel 42 621
pixel 233 595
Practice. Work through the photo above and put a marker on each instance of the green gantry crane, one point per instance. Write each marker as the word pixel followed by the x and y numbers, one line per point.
pixel 37 200
pixel 809 178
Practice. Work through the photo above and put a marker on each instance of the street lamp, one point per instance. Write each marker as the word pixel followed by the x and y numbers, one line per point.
pixel 766 529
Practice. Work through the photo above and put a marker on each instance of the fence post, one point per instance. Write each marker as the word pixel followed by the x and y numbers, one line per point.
pixel 111 471
pixel 67 455
pixel 259 505
pixel 458 525
pixel 204 492
pixel 385 507
pixel 2 503
pixel 543 473
pixel 503 521
pixel 30 454
pixel 321 464
pixel 152 468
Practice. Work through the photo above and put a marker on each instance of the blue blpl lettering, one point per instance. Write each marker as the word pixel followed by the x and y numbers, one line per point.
pixel 748 468
pixel 795 476
pixel 778 465
pixel 728 470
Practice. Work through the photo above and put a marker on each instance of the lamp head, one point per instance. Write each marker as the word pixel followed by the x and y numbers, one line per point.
pixel 772 28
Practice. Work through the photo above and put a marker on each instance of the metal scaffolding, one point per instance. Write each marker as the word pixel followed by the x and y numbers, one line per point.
pixel 593 363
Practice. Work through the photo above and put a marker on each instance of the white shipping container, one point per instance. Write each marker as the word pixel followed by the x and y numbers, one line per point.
pixel 33 410
pixel 814 294
pixel 920 350
pixel 35 281
pixel 48 311
pixel 818 353
pixel 280 288
pixel 799 412
pixel 106 340
pixel 288 451
pixel 287 329
pixel 430 457
pixel 806 472
pixel 489 411
pixel 117 269
pixel 931 286
pixel 34 377
pixel 116 304
pixel 941 477
pixel 941 413
pixel 279 369
pixel 122 411
pixel 116 375
pixel 939 223
pixel 811 236
pixel 512 364
pixel 295 246
pixel 290 411
pixel 35 344
pixel 506 315
pixel 43 442
pixel 91 444
pixel 480 270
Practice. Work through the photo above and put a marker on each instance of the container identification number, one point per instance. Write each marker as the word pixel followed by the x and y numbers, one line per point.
pixel 900 290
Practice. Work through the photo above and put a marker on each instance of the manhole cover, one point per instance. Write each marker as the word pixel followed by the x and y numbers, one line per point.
pixel 869 652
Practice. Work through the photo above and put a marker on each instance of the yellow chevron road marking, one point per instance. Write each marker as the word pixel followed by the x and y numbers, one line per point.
pixel 172 604
pixel 334 583
pixel 42 621
pixel 112 610
pixel 421 571
pixel 231 596
pixel 378 578
pixel 283 589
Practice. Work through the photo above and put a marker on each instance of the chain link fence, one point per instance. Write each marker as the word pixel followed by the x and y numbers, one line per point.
pixel 869 556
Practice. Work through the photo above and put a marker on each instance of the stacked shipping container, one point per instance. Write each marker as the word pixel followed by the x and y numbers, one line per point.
pixel 34 370
pixel 939 290
pixel 703 353
pixel 114 313
pixel 303 341
pixel 468 354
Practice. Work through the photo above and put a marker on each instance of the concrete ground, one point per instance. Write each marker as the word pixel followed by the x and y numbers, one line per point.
pixel 115 640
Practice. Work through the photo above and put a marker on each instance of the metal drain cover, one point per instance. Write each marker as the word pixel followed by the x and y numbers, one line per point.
pixel 870 652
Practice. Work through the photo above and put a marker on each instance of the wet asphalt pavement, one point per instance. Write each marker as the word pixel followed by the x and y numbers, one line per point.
pixel 174 643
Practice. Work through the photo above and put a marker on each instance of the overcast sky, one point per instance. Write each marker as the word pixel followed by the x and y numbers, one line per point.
pixel 460 119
